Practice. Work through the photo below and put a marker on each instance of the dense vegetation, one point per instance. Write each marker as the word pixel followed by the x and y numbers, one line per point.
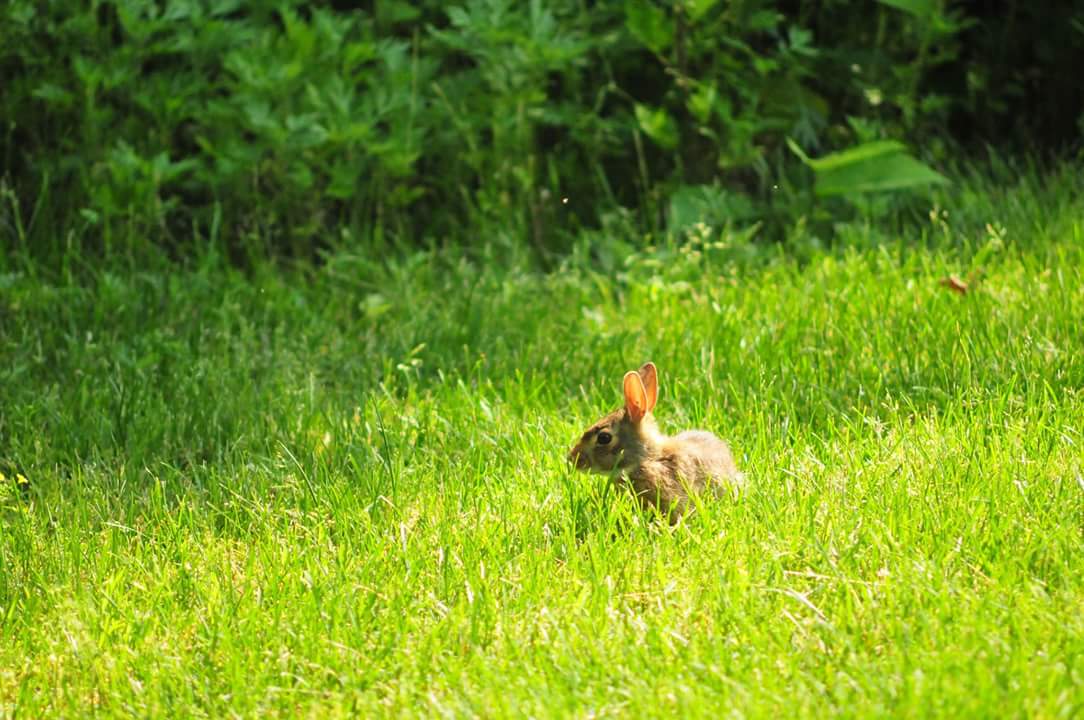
pixel 296 125
pixel 341 490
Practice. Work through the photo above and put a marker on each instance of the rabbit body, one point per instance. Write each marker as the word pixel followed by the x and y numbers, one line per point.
pixel 661 471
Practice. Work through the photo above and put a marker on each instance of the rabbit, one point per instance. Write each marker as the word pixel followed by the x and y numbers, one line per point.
pixel 660 470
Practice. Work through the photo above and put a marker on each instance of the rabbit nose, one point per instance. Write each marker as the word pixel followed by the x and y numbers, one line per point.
pixel 578 459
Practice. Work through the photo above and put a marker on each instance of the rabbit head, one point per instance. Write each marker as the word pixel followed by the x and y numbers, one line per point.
pixel 625 435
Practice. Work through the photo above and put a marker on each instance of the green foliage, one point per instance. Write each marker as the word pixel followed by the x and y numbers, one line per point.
pixel 339 489
pixel 649 24
pixel 870 167
pixel 294 126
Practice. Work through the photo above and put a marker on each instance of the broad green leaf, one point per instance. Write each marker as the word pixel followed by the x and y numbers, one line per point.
pixel 697 9
pixel 880 173
pixel 763 20
pixel 859 153
pixel 22 13
pixel 918 8
pixel 649 24
pixel 657 125
pixel 396 11
pixel 869 167
pixel 53 94
pixel 702 102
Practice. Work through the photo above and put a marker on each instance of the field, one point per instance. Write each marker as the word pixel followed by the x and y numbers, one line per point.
pixel 339 489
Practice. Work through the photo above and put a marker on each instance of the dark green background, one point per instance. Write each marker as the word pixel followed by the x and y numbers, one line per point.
pixel 288 127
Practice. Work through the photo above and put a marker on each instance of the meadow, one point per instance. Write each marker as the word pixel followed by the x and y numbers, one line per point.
pixel 339 488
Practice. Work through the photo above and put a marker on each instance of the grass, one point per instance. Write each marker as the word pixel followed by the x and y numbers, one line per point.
pixel 340 490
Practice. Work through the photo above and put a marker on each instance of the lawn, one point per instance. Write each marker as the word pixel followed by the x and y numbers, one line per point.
pixel 340 489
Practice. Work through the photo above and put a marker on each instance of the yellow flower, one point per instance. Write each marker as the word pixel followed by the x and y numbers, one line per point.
pixel 20 479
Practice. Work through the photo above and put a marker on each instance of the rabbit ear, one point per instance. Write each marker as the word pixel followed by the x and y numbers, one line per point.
pixel 650 377
pixel 635 396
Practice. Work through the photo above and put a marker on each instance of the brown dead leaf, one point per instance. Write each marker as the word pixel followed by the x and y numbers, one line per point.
pixel 955 284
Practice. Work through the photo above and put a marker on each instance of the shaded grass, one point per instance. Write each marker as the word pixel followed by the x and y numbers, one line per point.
pixel 341 489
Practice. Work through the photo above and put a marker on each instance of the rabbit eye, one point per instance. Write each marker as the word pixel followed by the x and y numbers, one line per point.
pixel 604 438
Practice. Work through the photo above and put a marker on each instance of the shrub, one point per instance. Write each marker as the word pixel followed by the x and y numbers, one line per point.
pixel 140 122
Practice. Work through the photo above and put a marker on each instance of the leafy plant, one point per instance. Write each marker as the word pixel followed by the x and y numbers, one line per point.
pixel 484 122
pixel 870 167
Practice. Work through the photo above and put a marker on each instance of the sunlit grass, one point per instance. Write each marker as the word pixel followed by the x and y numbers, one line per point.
pixel 342 491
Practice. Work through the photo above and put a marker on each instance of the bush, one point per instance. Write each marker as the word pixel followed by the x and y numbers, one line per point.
pixel 137 122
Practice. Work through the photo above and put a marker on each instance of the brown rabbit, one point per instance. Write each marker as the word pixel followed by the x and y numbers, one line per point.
pixel 660 470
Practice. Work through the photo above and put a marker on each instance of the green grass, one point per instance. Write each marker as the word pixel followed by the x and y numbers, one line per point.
pixel 341 490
